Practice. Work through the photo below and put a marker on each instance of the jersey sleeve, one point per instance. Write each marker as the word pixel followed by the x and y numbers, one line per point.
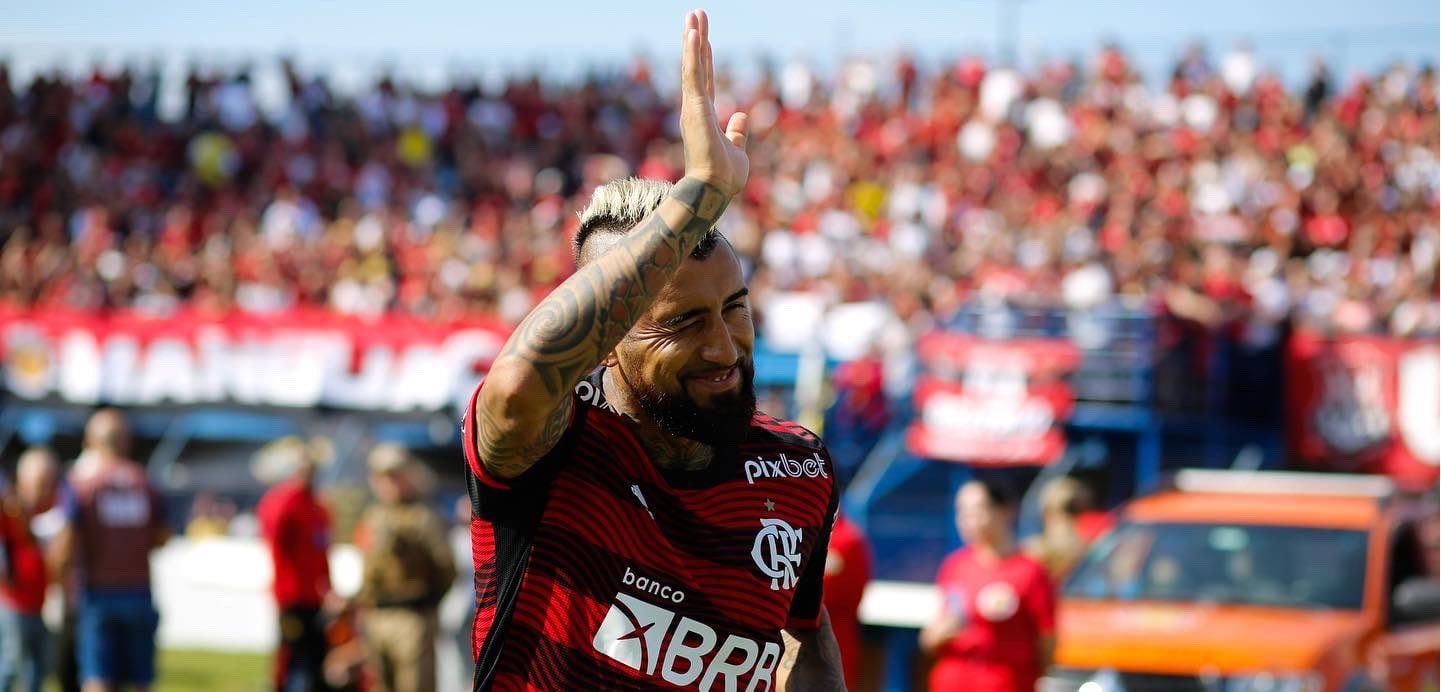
pixel 477 468
pixel 805 612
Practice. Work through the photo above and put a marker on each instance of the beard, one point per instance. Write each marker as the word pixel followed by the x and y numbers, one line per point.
pixel 724 422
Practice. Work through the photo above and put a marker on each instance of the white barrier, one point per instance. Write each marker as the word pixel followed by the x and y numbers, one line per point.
pixel 214 593
pixel 899 604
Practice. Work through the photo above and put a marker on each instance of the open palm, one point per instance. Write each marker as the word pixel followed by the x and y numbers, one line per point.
pixel 715 156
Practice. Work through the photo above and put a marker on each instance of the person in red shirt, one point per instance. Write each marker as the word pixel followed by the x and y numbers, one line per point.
pixel 848 570
pixel 995 631
pixel 296 527
pixel 24 640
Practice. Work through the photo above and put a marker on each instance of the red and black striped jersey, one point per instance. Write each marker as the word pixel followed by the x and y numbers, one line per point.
pixel 597 569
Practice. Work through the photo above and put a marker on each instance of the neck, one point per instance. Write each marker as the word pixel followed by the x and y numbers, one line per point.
pixel 673 452
pixel 668 451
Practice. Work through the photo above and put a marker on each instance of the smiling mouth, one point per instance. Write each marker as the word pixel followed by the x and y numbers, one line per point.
pixel 717 380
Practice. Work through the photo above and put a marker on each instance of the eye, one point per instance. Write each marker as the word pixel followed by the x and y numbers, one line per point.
pixel 681 325
pixel 735 306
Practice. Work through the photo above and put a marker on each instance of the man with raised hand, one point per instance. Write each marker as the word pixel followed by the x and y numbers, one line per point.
pixel 637 523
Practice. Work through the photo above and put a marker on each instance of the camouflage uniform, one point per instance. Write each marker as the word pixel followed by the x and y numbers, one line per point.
pixel 408 567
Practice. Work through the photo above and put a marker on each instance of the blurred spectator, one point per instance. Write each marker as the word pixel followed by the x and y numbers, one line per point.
pixel 407 569
pixel 346 663
pixel 860 413
pixel 210 517
pixel 115 519
pixel 848 570
pixel 296 528
pixel 996 629
pixel 1060 544
pixel 465 585
pixel 24 638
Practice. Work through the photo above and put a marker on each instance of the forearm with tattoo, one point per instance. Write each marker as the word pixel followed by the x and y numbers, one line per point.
pixel 569 332
pixel 812 660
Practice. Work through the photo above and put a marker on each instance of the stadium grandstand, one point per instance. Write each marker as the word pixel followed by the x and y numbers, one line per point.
pixel 958 269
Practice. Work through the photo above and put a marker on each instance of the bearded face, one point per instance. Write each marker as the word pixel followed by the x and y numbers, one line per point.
pixel 688 362
pixel 720 421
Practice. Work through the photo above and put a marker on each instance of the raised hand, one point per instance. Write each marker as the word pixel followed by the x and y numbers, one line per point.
pixel 712 156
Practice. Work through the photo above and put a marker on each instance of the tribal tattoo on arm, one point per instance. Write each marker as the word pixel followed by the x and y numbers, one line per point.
pixel 812 659
pixel 526 404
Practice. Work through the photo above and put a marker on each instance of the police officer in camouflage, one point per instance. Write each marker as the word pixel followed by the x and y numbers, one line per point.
pixel 407 569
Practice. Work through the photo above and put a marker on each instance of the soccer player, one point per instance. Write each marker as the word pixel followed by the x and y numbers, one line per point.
pixel 637 523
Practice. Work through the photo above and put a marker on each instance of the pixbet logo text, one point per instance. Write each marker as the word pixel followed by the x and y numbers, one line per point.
pixel 785 467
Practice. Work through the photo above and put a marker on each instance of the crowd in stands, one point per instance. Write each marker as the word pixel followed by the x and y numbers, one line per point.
pixel 1219 195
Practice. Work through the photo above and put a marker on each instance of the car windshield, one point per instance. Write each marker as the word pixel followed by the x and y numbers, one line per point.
pixel 1286 566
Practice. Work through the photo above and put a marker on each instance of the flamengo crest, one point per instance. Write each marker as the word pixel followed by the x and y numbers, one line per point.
pixel 777 552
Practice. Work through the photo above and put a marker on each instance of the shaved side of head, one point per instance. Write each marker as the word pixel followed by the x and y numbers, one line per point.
pixel 619 206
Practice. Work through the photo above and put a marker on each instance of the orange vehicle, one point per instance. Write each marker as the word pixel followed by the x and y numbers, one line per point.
pixel 1256 582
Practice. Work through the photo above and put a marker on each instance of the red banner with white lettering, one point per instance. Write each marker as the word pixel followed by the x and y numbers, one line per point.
pixel 301 358
pixel 1365 404
pixel 992 402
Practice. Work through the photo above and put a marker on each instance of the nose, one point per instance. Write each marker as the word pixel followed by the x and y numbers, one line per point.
pixel 719 346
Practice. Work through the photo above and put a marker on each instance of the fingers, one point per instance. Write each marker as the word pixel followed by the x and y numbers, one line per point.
pixel 738 129
pixel 709 62
pixel 701 22
pixel 705 55
pixel 692 69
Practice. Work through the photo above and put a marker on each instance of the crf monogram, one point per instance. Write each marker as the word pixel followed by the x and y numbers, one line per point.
pixel 777 552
